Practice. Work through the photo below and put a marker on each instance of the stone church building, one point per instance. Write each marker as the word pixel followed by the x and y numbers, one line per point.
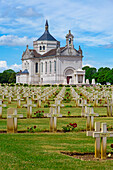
pixel 48 63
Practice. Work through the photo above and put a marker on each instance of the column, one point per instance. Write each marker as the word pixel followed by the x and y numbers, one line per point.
pixel 76 78
pixel 83 79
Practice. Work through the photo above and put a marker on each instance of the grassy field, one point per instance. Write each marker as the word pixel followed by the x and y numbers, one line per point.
pixel 43 150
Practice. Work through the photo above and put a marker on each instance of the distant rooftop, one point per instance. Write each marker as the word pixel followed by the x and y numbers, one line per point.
pixel 25 72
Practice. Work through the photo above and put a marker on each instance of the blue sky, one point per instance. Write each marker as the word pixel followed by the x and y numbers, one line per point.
pixel 91 23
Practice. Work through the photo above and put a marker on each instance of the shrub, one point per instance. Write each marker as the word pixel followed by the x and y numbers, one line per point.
pixel 39 113
pixel 61 85
pixel 31 129
pixel 69 113
pixel 12 84
pixel 68 106
pixel 25 85
pixel 67 97
pixel 110 128
pixel 67 86
pixel 69 127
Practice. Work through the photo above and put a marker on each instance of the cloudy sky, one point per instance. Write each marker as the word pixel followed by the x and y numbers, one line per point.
pixel 91 22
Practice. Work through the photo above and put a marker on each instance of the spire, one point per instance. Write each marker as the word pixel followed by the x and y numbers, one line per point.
pixel 80 50
pixel 46 25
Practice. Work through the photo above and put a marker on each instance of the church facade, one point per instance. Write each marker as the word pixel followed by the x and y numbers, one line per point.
pixel 48 63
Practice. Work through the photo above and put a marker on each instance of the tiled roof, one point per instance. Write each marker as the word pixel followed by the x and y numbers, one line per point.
pixel 35 53
pixel 25 72
pixel 47 36
pixel 51 52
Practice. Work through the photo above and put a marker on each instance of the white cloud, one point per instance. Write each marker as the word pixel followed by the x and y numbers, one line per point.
pixel 16 67
pixel 87 65
pixel 90 21
pixel 12 40
pixel 4 66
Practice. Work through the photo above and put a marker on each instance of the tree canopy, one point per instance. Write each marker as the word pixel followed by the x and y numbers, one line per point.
pixel 8 76
pixel 102 76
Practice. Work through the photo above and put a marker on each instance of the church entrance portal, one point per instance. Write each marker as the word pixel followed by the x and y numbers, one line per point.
pixel 68 79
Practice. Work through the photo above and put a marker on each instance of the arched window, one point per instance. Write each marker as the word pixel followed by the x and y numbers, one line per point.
pixel 43 47
pixel 36 68
pixel 50 66
pixel 55 66
pixel 70 41
pixel 40 48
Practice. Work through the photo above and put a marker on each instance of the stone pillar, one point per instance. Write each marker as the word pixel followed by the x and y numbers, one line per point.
pixel 83 79
pixel 31 72
pixel 70 81
pixel 76 79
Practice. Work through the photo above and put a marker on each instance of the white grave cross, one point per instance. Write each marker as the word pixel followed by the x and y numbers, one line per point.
pixel 1 105
pixel 103 135
pixel 53 118
pixel 12 120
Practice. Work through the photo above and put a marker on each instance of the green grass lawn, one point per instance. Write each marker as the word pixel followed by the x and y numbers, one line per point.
pixel 43 150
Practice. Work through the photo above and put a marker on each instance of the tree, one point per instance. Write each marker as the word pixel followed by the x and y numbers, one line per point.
pixel 12 78
pixel 8 76
pixel 109 76
pixel 101 75
pixel 85 68
pixel 90 71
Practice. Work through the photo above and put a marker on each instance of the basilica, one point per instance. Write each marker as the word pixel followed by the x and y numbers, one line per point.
pixel 48 63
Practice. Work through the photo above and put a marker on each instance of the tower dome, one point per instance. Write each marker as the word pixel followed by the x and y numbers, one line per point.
pixel 46 42
pixel 46 36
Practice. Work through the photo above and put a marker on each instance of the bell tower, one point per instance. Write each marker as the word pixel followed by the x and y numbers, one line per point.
pixel 69 40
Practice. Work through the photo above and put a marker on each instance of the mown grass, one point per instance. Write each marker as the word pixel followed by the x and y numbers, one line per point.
pixel 43 150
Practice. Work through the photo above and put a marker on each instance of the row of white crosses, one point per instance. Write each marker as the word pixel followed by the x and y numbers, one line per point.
pixel 29 107
pixel 84 106
pixel 55 110
pixel 75 96
pixel 109 106
pixel 45 96
pixel 26 93
pixel 83 103
pixel 54 113
pixel 29 104
pixel 95 95
pixel 103 134
pixel 61 94
pixel 90 96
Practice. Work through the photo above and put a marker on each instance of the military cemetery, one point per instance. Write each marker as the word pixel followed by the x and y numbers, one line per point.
pixel 56 85
pixel 58 115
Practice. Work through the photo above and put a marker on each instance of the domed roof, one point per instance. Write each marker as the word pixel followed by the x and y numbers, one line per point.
pixel 46 36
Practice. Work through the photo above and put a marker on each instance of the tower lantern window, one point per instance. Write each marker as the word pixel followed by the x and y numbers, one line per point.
pixel 43 47
pixel 40 48
pixel 70 41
